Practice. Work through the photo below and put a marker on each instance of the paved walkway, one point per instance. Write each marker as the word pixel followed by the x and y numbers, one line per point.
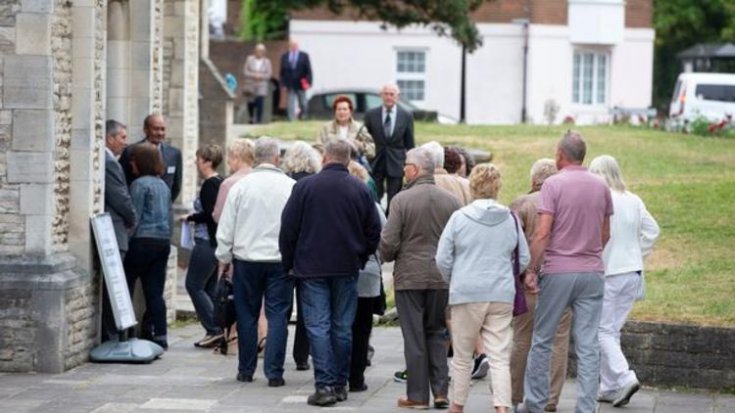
pixel 187 379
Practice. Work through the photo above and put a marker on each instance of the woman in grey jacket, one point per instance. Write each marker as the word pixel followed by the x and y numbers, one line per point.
pixel 474 256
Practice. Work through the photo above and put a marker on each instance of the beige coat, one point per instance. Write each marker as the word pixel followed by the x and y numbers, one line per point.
pixel 356 133
pixel 456 185
pixel 256 77
pixel 416 220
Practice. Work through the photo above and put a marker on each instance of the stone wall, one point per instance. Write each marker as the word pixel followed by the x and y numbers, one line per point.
pixel 678 355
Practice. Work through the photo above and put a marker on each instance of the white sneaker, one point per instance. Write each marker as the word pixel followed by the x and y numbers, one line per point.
pixel 607 397
pixel 626 393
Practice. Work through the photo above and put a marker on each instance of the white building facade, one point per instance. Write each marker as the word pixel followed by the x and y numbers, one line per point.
pixel 584 57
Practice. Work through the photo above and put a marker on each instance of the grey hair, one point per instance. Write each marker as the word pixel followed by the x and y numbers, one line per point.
pixel 339 151
pixel 266 149
pixel 573 146
pixel 541 170
pixel 301 157
pixel 607 167
pixel 423 159
pixel 113 127
pixel 437 153
pixel 391 86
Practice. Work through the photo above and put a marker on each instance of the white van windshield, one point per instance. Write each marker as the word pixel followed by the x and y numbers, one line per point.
pixel 720 93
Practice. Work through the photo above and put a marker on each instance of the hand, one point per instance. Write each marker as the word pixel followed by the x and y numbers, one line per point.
pixel 225 270
pixel 183 218
pixel 531 282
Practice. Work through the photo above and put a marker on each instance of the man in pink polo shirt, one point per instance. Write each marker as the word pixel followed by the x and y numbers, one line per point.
pixel 572 230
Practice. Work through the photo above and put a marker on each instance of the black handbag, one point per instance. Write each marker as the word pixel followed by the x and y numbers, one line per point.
pixel 224 306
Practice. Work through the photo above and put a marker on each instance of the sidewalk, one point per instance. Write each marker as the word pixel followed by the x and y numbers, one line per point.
pixel 187 379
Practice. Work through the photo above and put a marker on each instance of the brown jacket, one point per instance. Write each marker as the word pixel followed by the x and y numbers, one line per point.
pixel 417 218
pixel 456 185
pixel 526 208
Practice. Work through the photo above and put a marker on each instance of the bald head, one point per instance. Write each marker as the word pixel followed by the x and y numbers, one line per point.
pixel 572 147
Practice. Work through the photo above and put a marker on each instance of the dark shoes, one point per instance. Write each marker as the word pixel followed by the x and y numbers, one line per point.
pixel 210 340
pixel 441 402
pixel 276 382
pixel 411 404
pixel 358 388
pixel 303 366
pixel 323 396
pixel 244 378
pixel 340 392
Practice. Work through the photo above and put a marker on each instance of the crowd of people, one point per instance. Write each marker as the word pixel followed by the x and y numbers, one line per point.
pixel 497 289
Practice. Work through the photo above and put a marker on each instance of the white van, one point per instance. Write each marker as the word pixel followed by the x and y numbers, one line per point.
pixel 708 95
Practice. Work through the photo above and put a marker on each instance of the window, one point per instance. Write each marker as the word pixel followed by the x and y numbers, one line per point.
pixel 720 93
pixel 589 78
pixel 411 74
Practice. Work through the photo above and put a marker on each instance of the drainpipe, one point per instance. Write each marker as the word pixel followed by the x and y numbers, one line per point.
pixel 525 70
pixel 462 86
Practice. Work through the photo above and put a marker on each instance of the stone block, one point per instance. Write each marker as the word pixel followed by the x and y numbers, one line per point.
pixel 36 199
pixel 30 167
pixel 118 54
pixel 117 83
pixel 83 98
pixel 6 117
pixel 33 130
pixel 140 84
pixel 38 234
pixel 9 201
pixel 27 82
pixel 39 6
pixel 140 55
pixel 81 166
pixel 141 20
pixel 7 40
pixel 33 34
pixel 83 47
pixel 83 22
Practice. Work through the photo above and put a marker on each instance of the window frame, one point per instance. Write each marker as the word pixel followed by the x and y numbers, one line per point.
pixel 596 54
pixel 406 76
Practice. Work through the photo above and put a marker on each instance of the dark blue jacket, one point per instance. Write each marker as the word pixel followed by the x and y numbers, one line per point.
pixel 329 226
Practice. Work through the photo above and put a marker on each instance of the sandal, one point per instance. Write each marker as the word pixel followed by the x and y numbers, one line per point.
pixel 261 344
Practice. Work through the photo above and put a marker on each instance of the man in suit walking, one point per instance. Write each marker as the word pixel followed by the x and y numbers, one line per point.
pixel 296 77
pixel 119 205
pixel 392 130
pixel 154 127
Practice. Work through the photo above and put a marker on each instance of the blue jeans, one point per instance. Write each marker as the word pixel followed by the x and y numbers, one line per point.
pixel 251 282
pixel 582 292
pixel 201 283
pixel 329 307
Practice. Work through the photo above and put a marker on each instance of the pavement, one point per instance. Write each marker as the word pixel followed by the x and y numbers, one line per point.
pixel 188 379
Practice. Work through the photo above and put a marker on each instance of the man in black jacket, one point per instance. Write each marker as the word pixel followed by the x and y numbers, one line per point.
pixel 296 77
pixel 392 130
pixel 329 228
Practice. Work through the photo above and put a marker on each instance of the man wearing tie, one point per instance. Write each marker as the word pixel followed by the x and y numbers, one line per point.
pixel 296 77
pixel 392 130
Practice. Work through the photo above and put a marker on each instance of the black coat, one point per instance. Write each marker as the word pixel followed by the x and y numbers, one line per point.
pixel 390 151
pixel 329 226
pixel 290 77
pixel 118 202
pixel 172 162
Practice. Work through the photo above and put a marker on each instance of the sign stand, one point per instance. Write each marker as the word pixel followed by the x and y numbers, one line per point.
pixel 122 349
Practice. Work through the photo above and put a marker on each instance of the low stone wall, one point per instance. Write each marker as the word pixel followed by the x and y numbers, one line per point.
pixel 667 355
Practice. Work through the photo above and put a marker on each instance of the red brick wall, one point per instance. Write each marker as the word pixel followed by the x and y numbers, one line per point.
pixel 639 13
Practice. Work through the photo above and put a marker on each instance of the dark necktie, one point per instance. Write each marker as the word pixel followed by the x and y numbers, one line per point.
pixel 386 125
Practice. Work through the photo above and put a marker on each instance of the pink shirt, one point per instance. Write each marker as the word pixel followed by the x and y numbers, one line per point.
pixel 579 202
pixel 224 189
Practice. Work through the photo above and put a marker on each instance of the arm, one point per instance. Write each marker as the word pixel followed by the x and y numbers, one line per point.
pixel 226 229
pixel 390 238
pixel 117 196
pixel 208 196
pixel 323 134
pixel 445 250
pixel 408 141
pixel 176 187
pixel 137 195
pixel 307 64
pixel 366 141
pixel 268 69
pixel 649 231
pixel 219 204
pixel 290 228
pixel 605 230
pixel 540 241
pixel 524 255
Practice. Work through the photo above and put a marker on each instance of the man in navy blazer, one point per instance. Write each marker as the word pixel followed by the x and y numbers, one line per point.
pixel 118 204
pixel 154 127
pixel 392 130
pixel 296 77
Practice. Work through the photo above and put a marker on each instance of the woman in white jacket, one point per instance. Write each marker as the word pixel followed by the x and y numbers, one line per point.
pixel 474 256
pixel 633 231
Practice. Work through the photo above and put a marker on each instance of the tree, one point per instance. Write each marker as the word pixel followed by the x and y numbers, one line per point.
pixel 681 24
pixel 445 17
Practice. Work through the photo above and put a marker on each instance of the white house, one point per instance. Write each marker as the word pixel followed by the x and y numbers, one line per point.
pixel 583 56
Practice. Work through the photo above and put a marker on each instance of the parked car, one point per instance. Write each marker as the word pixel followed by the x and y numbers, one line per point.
pixel 320 105
pixel 707 95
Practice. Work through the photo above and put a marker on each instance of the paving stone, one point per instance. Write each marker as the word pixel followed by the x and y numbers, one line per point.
pixel 178 404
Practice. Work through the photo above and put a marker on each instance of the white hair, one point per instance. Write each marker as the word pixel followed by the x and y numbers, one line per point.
pixel 391 86
pixel 437 153
pixel 607 167
pixel 541 170
pixel 266 149
pixel 422 158
pixel 301 157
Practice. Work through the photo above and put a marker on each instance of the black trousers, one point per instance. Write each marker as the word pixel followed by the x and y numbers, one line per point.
pixel 361 329
pixel 301 340
pixel 390 184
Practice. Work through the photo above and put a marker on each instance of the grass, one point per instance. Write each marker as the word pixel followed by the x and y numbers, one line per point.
pixel 687 182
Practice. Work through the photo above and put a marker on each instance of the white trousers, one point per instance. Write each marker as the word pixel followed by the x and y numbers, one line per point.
pixel 620 295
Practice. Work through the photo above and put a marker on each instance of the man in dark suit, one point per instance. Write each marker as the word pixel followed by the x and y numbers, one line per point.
pixel 154 127
pixel 296 77
pixel 392 130
pixel 119 205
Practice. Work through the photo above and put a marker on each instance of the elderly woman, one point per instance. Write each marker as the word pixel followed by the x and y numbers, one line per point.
pixel 344 127
pixel 240 159
pixel 201 280
pixel 149 245
pixel 257 74
pixel 633 231
pixel 474 255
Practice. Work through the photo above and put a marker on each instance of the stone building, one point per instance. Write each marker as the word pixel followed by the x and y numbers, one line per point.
pixel 65 67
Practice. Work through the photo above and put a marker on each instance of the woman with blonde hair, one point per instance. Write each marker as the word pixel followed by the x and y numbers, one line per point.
pixel 257 72
pixel 474 255
pixel 633 231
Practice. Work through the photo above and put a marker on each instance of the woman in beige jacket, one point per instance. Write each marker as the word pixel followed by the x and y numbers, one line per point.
pixel 257 72
pixel 344 127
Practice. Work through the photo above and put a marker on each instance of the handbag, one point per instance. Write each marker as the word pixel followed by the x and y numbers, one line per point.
pixel 519 302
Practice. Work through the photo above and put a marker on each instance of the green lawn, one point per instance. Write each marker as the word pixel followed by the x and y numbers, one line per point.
pixel 687 182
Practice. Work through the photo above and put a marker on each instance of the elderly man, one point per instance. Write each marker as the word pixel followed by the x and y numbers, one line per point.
pixel 416 220
pixel 154 127
pixel 458 187
pixel 526 207
pixel 329 229
pixel 572 230
pixel 296 77
pixel 392 130
pixel 248 236
pixel 119 205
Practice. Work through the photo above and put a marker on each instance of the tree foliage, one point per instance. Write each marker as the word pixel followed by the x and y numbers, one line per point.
pixel 681 24
pixel 445 17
